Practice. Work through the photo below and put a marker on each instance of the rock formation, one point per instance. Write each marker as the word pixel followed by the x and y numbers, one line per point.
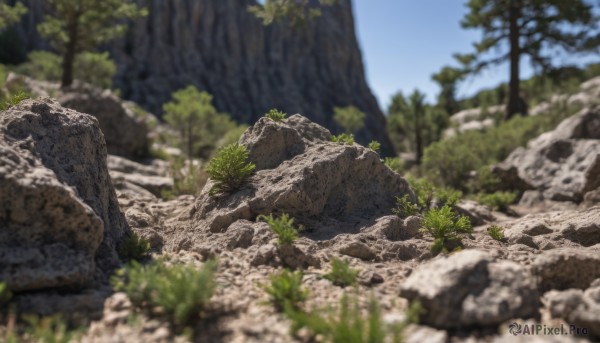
pixel 59 216
pixel 221 48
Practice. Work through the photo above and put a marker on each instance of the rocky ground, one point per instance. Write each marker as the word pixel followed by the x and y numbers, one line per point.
pixel 65 205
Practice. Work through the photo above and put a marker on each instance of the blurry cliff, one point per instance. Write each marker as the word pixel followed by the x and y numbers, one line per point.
pixel 221 48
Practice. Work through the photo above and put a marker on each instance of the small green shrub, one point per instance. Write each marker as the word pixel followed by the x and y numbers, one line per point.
pixel 498 200
pixel 395 164
pixel 350 118
pixel 341 274
pixel 13 100
pixel 445 227
pixel 5 293
pixel 428 195
pixel 178 292
pixel 283 227
pixel 285 290
pixel 496 232
pixel 229 169
pixel 134 247
pixel 350 325
pixel 52 329
pixel 159 153
pixel 375 146
pixel 275 115
pixel 405 207
pixel 343 138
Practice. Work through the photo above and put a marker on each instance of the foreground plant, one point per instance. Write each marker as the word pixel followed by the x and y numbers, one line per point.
pixel 134 247
pixel 395 164
pixel 13 100
pixel 341 274
pixel 229 169
pixel 275 115
pixel 445 227
pixel 285 290
pixel 496 232
pixel 178 292
pixel 349 324
pixel 283 227
pixel 343 138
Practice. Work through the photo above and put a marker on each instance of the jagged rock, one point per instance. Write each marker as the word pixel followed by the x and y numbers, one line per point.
pixel 249 69
pixel 478 214
pixel 395 228
pixel 563 164
pixel 567 268
pixel 577 307
pixel 357 249
pixel 153 184
pixel 125 134
pixel 471 288
pixel 321 181
pixel 59 216
pixel 564 228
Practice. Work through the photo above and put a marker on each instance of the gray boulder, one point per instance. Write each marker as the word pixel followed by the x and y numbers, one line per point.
pixel 471 288
pixel 59 217
pixel 302 173
pixel 563 164
pixel 124 132
pixel 567 268
pixel 577 307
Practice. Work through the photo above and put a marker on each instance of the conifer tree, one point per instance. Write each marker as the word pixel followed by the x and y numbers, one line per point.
pixel 10 15
pixel 533 28
pixel 73 27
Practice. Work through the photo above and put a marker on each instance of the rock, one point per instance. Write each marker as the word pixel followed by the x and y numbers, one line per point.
pixel 325 180
pixel 477 214
pixel 566 228
pixel 149 168
pixel 299 255
pixel 419 334
pixel 591 198
pixel 567 268
pixel 395 228
pixel 357 249
pixel 125 134
pixel 156 185
pixel 576 307
pixel 59 216
pixel 240 235
pixel 471 288
pixel 264 255
pixel 562 164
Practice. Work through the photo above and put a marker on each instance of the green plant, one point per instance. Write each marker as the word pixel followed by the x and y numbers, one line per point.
pixel 350 118
pixel 498 200
pixel 343 138
pixel 10 15
pixel 447 196
pixel 275 115
pixel 445 227
pixel 350 324
pixel 428 195
pixel 134 247
pixel 52 329
pixel 283 227
pixel 229 169
pixel 375 146
pixel 197 121
pixel 496 232
pixel 285 289
pixel 5 294
pixel 405 207
pixel 296 12
pixel 13 100
pixel 341 274
pixel 395 164
pixel 178 292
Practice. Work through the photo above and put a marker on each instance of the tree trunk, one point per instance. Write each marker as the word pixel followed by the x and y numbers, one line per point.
pixel 515 55
pixel 69 54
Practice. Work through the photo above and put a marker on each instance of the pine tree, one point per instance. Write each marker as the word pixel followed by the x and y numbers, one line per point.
pixel 77 26
pixel 529 28
pixel 10 15
pixel 297 12
pixel 447 79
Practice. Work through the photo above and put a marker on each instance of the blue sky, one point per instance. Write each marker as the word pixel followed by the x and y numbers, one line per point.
pixel 405 41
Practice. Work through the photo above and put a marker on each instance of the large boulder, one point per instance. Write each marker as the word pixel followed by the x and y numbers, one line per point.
pixel 577 307
pixel 59 218
pixel 561 165
pixel 301 172
pixel 567 268
pixel 471 288
pixel 125 133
